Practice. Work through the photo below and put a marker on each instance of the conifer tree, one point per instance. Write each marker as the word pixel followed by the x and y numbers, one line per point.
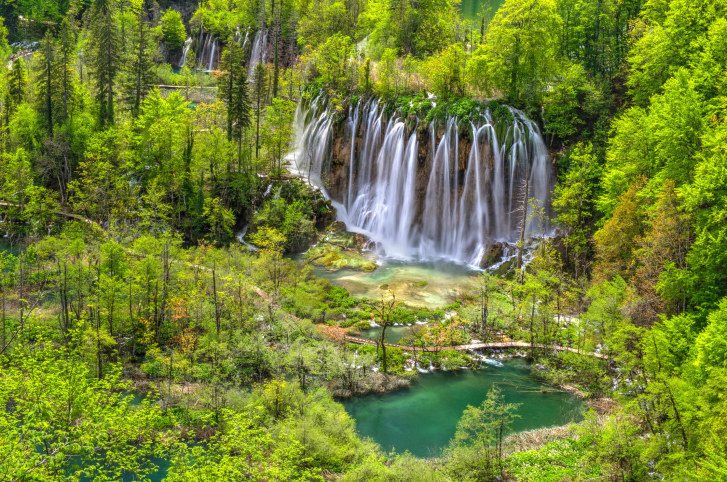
pixel 140 60
pixel 233 85
pixel 45 80
pixel 16 82
pixel 105 57
pixel 276 34
pixel 15 92
pixel 65 60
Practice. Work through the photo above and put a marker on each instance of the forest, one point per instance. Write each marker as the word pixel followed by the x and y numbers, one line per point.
pixel 188 189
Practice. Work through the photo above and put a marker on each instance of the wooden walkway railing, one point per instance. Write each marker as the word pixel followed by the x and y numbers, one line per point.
pixel 495 345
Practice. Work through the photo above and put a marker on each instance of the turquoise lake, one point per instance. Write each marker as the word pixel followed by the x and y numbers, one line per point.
pixel 423 418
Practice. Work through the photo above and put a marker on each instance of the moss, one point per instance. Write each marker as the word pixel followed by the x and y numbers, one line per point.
pixel 504 268
pixel 335 257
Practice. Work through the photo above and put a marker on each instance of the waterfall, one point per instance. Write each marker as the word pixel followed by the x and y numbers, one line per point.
pixel 207 52
pixel 245 40
pixel 411 190
pixel 212 55
pixel 259 50
pixel 185 51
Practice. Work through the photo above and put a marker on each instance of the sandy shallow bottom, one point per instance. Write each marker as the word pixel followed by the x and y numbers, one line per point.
pixel 430 285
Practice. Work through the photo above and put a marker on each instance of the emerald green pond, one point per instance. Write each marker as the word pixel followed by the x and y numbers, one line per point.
pixel 423 418
pixel 394 334
pixel 472 10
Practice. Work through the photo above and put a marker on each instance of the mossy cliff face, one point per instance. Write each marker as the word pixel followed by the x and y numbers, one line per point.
pixel 340 161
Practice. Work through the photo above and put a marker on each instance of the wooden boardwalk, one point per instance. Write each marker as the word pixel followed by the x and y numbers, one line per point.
pixel 495 345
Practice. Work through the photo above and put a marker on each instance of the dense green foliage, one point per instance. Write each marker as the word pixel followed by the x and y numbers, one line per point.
pixel 136 332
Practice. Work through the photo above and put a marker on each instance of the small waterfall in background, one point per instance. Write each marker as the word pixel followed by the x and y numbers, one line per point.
pixel 185 51
pixel 212 55
pixel 259 50
pixel 208 51
pixel 246 39
pixel 426 202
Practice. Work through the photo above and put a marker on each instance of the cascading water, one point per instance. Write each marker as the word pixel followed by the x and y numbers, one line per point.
pixel 247 38
pixel 208 55
pixel 259 50
pixel 212 55
pixel 430 201
pixel 185 51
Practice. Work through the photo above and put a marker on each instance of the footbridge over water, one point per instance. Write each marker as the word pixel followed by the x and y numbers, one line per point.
pixel 495 345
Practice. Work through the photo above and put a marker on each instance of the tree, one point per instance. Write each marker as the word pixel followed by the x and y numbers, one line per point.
pixel 98 190
pixel 63 421
pixel 45 81
pixel 65 70
pixel 15 94
pixel 616 240
pixel 138 66
pixel 278 131
pixel 29 207
pixel 657 143
pixel 485 285
pixel 3 37
pixel 271 243
pixel 383 310
pixel 245 449
pixel 604 312
pixel 388 72
pixel 421 29
pixel 596 34
pixel 520 51
pixel 574 203
pixel 665 245
pixel 668 38
pixel 332 61
pixel 220 219
pixel 571 104
pixel 710 348
pixel 446 72
pixel 173 31
pixel 322 19
pixel 105 57
pixel 233 85
pixel 705 200
pixel 483 428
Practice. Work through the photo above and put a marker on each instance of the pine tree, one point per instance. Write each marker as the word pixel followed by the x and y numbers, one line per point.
pixel 105 56
pixel 140 61
pixel 233 85
pixel 15 92
pixel 45 79
pixel 16 82
pixel 66 74
pixel 276 34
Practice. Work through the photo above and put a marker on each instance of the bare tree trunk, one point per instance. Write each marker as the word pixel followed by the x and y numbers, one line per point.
pixel 523 222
